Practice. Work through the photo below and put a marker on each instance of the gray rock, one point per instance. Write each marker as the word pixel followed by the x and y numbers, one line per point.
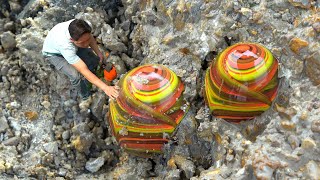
pixel 280 5
pixel 93 165
pixel 83 142
pixel 14 124
pixel 9 26
pixel 125 25
pixel 62 172
pixel 185 165
pixel 130 62
pixel 111 40
pixel 294 141
pixel 2 23
pixel 60 115
pixel 215 173
pixel 178 34
pixel 4 70
pixel 301 3
pixel 51 147
pixel 69 103
pixel 15 6
pixel 287 17
pixel 99 99
pixel 14 141
pixel 119 65
pixel 225 174
pixel 66 135
pixel 8 40
pixel 315 126
pixel 3 124
pixel 313 68
pixel 80 128
pixel 173 174
pixel 313 170
pixel 316 27
pixel 29 9
pixel 230 157
pixel 123 35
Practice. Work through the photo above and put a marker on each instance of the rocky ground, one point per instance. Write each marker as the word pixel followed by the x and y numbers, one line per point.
pixel 46 134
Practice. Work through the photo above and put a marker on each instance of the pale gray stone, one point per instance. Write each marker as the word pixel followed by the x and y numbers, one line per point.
pixel 93 165
pixel 3 124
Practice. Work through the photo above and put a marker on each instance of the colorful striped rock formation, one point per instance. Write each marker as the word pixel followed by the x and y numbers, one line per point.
pixel 149 108
pixel 242 82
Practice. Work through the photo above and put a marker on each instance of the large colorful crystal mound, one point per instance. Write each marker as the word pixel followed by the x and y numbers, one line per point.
pixel 149 108
pixel 242 82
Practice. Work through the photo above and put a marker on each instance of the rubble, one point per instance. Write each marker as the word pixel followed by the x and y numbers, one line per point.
pixel 46 133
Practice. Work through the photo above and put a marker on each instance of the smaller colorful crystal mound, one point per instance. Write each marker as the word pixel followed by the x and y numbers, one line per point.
pixel 242 82
pixel 149 107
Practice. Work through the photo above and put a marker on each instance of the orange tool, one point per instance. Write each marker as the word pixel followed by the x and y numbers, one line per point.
pixel 109 71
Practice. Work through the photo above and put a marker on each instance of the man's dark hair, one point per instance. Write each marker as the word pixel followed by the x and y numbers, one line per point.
pixel 77 28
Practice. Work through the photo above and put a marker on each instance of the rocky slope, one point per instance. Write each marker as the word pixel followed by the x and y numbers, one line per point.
pixel 46 133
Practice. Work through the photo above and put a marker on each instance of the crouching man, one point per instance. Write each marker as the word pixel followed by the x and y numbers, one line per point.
pixel 67 48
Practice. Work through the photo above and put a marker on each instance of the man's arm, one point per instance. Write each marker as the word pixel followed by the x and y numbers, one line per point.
pixel 94 46
pixel 111 91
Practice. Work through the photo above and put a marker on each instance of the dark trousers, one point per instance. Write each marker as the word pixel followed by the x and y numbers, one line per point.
pixel 77 80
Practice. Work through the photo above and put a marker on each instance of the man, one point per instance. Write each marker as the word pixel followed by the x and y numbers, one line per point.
pixel 67 48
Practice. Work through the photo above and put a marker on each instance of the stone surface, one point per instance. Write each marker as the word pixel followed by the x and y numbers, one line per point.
pixel 3 124
pixel 111 40
pixel 31 115
pixel 313 68
pixel 11 141
pixel 296 44
pixel 186 36
pixel 93 165
pixel 313 170
pixel 316 27
pixel 82 143
pixel 97 105
pixel 51 147
pixel 315 126
pixel 308 143
pixel 301 3
pixel 187 166
pixel 8 40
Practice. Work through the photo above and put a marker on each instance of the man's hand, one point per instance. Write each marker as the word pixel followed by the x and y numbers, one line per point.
pixel 112 91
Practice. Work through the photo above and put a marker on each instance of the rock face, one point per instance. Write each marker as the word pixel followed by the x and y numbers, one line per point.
pixel 46 133
pixel 8 41
pixel 313 68
pixel 3 125
pixel 94 164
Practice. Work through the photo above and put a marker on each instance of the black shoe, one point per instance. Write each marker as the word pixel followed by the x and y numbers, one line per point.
pixel 85 97
pixel 85 89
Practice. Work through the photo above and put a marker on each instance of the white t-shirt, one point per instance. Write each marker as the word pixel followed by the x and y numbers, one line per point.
pixel 58 42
